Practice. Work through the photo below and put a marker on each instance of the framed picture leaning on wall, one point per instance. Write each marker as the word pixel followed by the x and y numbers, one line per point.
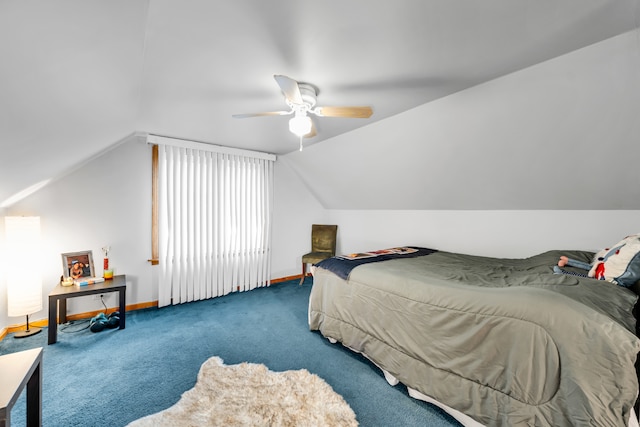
pixel 78 264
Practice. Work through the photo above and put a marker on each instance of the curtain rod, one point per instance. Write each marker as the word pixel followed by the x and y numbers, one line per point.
pixel 184 143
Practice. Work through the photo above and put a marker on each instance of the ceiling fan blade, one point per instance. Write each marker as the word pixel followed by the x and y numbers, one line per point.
pixel 349 112
pixel 289 88
pixel 270 113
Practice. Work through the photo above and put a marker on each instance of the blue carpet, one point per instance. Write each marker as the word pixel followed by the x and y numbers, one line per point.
pixel 115 376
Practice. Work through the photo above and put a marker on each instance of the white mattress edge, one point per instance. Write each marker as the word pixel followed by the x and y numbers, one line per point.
pixel 633 419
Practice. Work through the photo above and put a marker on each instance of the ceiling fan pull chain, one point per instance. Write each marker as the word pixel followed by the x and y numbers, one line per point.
pixel 301 143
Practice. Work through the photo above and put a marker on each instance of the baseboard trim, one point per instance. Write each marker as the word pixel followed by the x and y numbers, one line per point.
pixel 286 279
pixel 43 323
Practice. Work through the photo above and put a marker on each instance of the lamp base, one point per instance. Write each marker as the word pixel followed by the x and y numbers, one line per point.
pixel 27 333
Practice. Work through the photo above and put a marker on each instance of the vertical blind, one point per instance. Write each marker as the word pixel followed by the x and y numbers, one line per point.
pixel 215 212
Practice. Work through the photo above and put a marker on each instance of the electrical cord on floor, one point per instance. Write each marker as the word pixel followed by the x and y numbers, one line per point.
pixel 84 323
pixel 68 327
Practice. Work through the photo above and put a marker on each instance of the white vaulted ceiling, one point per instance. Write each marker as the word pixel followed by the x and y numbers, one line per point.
pixel 78 76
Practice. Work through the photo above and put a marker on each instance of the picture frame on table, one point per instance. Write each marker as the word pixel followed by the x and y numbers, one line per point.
pixel 78 264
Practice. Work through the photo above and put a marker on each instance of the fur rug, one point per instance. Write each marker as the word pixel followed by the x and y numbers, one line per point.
pixel 251 395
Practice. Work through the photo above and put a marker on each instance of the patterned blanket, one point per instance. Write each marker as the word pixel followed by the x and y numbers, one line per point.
pixel 343 264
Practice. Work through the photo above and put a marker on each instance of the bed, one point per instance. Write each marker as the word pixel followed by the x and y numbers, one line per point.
pixel 496 342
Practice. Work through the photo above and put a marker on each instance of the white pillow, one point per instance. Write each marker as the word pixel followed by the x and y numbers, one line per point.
pixel 620 264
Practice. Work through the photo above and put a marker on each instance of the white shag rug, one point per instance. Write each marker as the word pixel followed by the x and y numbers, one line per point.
pixel 249 394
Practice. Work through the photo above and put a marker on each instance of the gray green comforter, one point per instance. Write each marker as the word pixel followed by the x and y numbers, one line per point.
pixel 504 341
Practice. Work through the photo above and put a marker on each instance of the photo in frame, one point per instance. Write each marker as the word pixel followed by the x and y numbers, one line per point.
pixel 78 264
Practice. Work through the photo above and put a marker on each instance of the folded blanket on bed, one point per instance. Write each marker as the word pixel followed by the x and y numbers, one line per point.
pixel 343 264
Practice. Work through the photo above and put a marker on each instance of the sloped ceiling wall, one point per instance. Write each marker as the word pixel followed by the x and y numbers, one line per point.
pixel 79 76
pixel 69 84
pixel 563 134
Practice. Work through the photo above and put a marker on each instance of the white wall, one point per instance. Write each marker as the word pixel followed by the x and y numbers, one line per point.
pixel 295 209
pixel 503 234
pixel 4 319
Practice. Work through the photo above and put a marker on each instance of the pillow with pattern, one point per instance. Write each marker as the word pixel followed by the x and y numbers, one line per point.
pixel 619 264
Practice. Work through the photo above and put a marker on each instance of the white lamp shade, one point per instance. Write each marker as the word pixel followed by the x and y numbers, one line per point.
pixel 24 279
pixel 300 124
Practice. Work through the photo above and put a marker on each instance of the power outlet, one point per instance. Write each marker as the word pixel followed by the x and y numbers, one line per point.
pixel 97 296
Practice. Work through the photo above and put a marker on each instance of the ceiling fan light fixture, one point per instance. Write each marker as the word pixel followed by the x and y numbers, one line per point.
pixel 300 125
pixel 301 99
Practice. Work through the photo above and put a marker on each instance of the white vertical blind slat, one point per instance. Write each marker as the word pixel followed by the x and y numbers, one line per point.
pixel 164 288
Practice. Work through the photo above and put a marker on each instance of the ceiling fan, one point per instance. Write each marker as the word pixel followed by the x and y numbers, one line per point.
pixel 301 99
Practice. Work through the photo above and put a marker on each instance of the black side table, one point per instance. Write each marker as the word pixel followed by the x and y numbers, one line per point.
pixel 59 295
